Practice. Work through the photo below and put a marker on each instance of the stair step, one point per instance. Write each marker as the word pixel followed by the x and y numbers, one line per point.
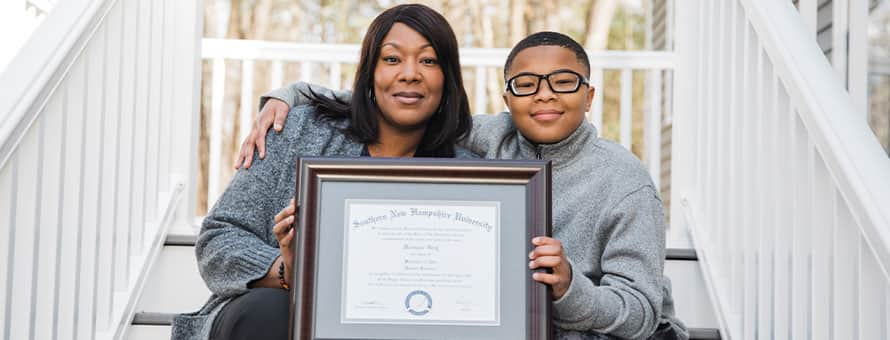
pixel 175 286
pixel 671 254
pixel 153 319
pixel 679 254
pixel 164 319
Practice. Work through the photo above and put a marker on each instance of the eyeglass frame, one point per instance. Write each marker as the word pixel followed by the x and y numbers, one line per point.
pixel 582 80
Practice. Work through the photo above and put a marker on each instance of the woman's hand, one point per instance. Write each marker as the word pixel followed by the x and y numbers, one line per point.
pixel 548 253
pixel 284 232
pixel 274 111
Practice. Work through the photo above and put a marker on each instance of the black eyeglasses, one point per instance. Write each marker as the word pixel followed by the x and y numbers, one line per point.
pixel 562 81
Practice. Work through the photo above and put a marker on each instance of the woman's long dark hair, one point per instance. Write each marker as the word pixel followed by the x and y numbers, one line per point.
pixel 449 123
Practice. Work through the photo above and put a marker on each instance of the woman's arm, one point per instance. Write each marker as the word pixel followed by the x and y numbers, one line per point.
pixel 237 248
pixel 274 107
pixel 234 248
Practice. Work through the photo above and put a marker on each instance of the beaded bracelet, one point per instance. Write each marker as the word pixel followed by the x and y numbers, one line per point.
pixel 281 280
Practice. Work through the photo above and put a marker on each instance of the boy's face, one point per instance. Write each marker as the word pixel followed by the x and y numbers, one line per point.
pixel 548 117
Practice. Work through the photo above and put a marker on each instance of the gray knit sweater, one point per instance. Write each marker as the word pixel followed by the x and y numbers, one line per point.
pixel 236 245
pixel 608 215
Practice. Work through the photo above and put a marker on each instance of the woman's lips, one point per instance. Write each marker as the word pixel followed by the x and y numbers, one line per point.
pixel 546 115
pixel 408 98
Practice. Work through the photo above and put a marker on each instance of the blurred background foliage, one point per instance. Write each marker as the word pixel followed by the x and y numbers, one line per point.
pixel 597 24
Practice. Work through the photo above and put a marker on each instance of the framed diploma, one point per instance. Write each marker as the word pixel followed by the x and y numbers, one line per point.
pixel 419 249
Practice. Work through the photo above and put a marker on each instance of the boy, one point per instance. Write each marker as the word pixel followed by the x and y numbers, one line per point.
pixel 607 252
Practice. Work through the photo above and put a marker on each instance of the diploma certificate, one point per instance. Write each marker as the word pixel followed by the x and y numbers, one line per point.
pixel 421 262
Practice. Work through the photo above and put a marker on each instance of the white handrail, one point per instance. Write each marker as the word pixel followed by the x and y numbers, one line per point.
pixel 855 158
pixel 469 56
pixel 780 181
pixel 41 62
pixel 479 60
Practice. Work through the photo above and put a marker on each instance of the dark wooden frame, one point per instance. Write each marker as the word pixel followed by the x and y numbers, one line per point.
pixel 312 171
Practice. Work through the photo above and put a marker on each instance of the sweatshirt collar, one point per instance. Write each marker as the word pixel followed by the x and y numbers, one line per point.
pixel 561 152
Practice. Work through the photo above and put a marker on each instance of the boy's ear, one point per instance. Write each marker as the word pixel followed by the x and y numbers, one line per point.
pixel 504 96
pixel 591 93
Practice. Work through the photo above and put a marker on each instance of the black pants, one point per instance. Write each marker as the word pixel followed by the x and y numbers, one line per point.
pixel 261 313
pixel 664 332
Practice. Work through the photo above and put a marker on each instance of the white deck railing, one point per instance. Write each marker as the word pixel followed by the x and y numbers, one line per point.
pixel 323 64
pixel 98 143
pixel 783 186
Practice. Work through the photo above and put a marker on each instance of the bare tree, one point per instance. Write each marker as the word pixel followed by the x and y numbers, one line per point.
pixel 599 19
pixel 518 20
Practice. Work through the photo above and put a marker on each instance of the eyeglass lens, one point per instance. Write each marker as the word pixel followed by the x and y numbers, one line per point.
pixel 559 82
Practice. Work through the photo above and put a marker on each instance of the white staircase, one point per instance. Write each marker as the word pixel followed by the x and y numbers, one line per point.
pixel 97 143
pixel 776 176
pixel 175 287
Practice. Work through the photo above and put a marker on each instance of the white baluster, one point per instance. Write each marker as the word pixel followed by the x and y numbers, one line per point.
pixel 767 201
pixel 108 141
pixel 734 119
pixel 334 76
pixel 596 115
pixel 68 282
pixel 717 165
pixel 187 105
pixel 247 108
pixel 707 131
pixel 839 31
pixel 140 134
pixel 214 178
pixel 653 126
pixel 49 219
pixel 125 109
pixel 479 90
pixel 697 121
pixel 25 233
pixel 872 294
pixel 626 120
pixel 155 106
pixel 801 254
pixel 821 248
pixel 165 121
pixel 277 74
pixel 783 198
pixel 809 13
pixel 858 59
pixel 306 73
pixel 845 276
pixel 91 185
pixel 7 240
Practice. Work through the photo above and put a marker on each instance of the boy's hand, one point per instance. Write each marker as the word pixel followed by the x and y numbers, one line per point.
pixel 275 111
pixel 548 253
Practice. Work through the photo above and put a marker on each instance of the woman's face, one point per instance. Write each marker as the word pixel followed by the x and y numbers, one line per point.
pixel 408 80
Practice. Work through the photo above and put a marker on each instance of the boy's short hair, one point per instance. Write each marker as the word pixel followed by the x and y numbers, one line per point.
pixel 548 39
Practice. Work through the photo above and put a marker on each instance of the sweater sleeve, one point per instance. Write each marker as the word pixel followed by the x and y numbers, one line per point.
pixel 236 245
pixel 626 302
pixel 295 94
pixel 487 133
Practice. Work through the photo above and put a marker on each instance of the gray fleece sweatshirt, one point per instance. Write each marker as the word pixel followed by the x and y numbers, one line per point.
pixel 236 246
pixel 606 212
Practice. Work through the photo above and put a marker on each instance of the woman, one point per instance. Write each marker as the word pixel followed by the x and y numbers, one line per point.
pixel 414 105
pixel 606 257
